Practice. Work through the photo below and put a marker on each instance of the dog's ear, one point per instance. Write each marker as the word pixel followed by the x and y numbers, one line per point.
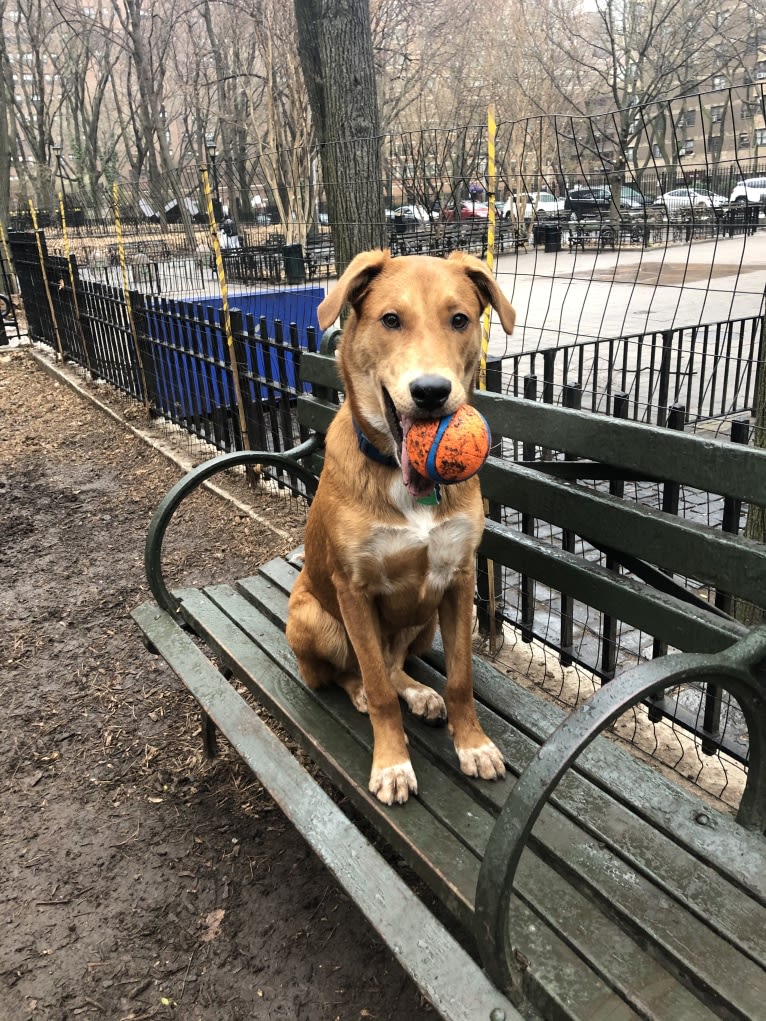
pixel 486 285
pixel 352 285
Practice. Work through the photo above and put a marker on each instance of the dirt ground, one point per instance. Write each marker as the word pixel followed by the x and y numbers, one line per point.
pixel 138 880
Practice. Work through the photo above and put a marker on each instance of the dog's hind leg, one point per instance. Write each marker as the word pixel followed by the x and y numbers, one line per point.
pixel 421 700
pixel 322 648
pixel 354 688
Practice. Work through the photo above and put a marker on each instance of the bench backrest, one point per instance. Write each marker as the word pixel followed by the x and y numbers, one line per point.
pixel 603 543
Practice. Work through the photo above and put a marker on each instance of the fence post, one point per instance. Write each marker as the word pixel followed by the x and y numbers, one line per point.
pixel 46 286
pixel 146 379
pixel 225 306
pixel 71 267
pixel 609 623
pixel 571 398
pixel 489 580
pixel 670 497
pixel 126 292
pixel 528 528
pixel 732 509
pixel 665 362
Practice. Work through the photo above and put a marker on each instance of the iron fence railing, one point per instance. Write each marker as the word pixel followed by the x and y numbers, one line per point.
pixel 710 369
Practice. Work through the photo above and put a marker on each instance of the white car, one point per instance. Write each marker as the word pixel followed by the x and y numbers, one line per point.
pixel 683 198
pixel 540 204
pixel 411 215
pixel 752 190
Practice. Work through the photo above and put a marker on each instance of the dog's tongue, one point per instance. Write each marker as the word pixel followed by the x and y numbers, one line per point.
pixel 414 482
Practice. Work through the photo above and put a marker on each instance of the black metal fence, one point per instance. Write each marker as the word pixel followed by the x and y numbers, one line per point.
pixel 709 369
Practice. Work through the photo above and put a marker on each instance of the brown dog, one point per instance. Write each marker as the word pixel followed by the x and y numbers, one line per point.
pixel 383 557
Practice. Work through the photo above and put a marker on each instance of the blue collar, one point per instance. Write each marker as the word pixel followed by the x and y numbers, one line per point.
pixel 370 450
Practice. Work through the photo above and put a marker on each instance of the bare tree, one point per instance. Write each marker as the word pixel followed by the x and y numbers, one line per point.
pixel 621 57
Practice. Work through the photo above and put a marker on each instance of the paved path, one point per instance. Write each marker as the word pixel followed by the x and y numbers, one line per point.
pixel 562 297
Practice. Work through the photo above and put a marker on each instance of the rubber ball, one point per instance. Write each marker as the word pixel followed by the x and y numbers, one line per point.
pixel 449 449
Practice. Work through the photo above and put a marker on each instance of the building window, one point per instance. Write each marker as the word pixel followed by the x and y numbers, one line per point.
pixel 760 136
pixel 716 114
pixel 686 148
pixel 715 148
pixel 656 150
pixel 719 81
pixel 744 140
pixel 760 70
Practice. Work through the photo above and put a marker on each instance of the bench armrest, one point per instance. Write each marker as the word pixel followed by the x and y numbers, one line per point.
pixel 741 669
pixel 288 460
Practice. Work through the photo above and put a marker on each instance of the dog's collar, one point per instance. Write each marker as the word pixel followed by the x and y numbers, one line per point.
pixel 370 450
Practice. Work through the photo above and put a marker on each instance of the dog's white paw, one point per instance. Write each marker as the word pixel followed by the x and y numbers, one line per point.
pixel 426 703
pixel 485 761
pixel 394 783
pixel 359 699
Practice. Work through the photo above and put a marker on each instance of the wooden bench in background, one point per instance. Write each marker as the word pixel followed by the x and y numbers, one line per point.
pixel 586 885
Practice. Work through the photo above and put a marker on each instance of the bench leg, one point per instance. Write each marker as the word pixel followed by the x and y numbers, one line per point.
pixel 209 735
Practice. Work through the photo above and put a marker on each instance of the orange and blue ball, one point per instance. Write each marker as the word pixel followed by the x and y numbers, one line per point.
pixel 449 449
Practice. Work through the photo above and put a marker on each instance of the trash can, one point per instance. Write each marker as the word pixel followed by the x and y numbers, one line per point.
pixel 295 264
pixel 552 237
pixel 538 233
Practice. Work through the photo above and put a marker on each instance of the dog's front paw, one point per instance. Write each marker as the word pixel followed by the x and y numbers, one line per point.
pixel 394 783
pixel 485 761
pixel 426 703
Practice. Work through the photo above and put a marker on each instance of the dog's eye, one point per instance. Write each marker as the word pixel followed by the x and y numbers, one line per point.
pixel 459 321
pixel 391 321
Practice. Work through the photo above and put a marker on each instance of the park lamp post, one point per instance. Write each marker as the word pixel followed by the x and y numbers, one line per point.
pixel 56 146
pixel 212 152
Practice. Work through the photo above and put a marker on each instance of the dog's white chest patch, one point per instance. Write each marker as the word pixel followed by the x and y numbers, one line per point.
pixel 394 547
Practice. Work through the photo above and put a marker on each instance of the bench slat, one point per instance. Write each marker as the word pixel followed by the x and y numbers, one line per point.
pixel 441 968
pixel 730 469
pixel 681 624
pixel 316 414
pixel 434 794
pixel 734 564
pixel 585 993
pixel 666 806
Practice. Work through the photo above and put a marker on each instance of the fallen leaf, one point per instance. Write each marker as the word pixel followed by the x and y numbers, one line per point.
pixel 212 925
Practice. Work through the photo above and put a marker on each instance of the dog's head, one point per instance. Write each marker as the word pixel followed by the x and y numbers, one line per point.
pixel 411 346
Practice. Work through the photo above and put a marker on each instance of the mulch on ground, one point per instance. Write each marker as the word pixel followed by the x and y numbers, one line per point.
pixel 137 879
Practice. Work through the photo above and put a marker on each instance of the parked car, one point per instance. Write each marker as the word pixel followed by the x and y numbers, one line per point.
pixel 595 200
pixel 469 210
pixel 411 216
pixel 752 190
pixel 686 198
pixel 540 205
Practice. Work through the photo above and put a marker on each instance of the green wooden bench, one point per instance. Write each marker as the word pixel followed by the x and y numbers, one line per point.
pixel 586 885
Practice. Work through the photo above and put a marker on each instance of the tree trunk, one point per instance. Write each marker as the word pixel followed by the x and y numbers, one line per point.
pixel 335 47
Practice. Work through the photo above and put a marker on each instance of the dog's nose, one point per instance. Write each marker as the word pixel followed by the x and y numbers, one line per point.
pixel 430 392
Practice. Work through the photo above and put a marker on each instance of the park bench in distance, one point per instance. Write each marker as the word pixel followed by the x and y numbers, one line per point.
pixel 610 895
